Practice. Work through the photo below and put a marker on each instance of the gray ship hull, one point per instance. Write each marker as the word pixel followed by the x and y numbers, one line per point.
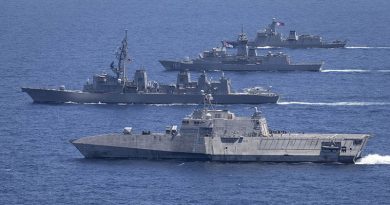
pixel 102 152
pixel 207 66
pixel 61 96
pixel 290 148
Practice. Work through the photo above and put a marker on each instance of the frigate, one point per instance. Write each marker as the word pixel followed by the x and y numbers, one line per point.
pixel 246 59
pixel 117 88
pixel 220 135
pixel 270 37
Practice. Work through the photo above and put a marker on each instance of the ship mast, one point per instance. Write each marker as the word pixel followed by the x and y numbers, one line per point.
pixel 242 47
pixel 207 102
pixel 122 57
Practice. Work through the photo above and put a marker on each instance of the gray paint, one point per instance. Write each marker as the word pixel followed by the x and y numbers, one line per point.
pixel 269 37
pixel 246 59
pixel 60 96
pixel 106 88
pixel 218 135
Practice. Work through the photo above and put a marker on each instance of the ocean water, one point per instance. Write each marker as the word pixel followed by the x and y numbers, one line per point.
pixel 51 43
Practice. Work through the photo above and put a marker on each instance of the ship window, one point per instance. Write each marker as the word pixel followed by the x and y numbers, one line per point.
pixel 229 139
pixel 196 122
pixel 185 122
pixel 357 142
pixel 217 115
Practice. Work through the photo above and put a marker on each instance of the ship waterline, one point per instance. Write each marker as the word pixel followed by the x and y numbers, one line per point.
pixel 43 95
pixel 212 66
pixel 276 149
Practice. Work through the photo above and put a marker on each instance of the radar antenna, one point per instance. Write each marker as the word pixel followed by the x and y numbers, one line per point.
pixel 257 113
pixel 122 57
pixel 242 35
pixel 207 102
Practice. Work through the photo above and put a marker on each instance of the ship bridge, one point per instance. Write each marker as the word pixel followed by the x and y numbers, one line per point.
pixel 224 124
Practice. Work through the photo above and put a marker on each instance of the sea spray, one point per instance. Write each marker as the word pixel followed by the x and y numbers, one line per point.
pixel 374 159
pixel 353 71
pixel 367 47
pixel 335 103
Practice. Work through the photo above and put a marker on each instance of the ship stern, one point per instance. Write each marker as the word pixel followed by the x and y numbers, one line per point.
pixel 352 155
pixel 168 65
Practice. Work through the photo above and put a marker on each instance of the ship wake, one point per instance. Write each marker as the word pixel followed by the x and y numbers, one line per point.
pixel 77 103
pixel 368 47
pixel 374 159
pixel 354 71
pixel 266 47
pixel 173 104
pixel 335 103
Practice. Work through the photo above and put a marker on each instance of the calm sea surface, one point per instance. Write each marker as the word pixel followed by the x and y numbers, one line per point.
pixel 51 43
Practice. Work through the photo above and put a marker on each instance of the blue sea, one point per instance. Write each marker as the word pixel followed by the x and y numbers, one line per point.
pixel 52 43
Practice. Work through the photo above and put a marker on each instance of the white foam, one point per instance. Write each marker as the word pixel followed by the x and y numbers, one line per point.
pixel 125 104
pixel 367 47
pixel 347 71
pixel 71 102
pixel 265 47
pixel 335 103
pixel 354 71
pixel 76 103
pixel 374 159
pixel 99 103
pixel 173 104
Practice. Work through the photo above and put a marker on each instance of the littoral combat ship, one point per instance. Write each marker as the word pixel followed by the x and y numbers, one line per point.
pixel 106 88
pixel 246 59
pixel 219 135
pixel 269 37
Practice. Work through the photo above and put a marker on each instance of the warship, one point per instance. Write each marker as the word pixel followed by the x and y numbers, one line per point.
pixel 270 37
pixel 246 59
pixel 220 135
pixel 117 88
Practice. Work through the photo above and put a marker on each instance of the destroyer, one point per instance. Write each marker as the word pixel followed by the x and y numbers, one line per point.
pixel 269 37
pixel 219 135
pixel 246 59
pixel 118 89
